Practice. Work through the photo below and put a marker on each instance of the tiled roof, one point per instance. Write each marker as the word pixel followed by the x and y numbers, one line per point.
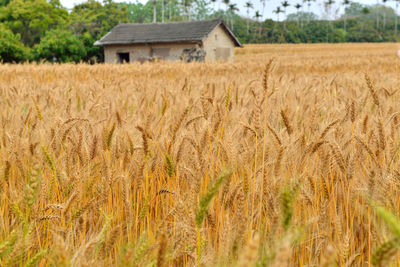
pixel 191 31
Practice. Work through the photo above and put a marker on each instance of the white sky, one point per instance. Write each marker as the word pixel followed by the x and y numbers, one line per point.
pixel 271 5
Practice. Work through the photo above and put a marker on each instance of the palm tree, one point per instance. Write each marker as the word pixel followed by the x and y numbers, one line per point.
pixel 298 6
pixel 277 11
pixel 328 5
pixel 345 4
pixel 285 5
pixel 154 11
pixel 226 3
pixel 384 13
pixel 232 9
pixel 263 7
pixel 258 16
pixel 248 6
pixel 364 11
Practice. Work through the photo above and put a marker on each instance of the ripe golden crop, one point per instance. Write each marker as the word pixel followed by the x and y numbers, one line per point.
pixel 286 157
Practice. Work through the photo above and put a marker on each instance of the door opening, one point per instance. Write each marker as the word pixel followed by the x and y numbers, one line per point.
pixel 123 58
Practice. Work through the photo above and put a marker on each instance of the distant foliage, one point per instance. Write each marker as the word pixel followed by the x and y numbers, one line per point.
pixel 60 46
pixel 11 49
pixel 32 18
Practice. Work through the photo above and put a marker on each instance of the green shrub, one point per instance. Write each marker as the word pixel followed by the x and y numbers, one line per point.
pixel 60 46
pixel 11 49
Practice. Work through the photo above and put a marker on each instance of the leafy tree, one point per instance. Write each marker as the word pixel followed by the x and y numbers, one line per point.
pixel 354 9
pixel 339 35
pixel 315 32
pixel 11 49
pixel 138 12
pixel 302 16
pixel 61 46
pixel 32 18
pixel 97 18
pixel 91 20
pixel 381 12
pixel 4 2
pixel 93 53
pixel 200 9
pixel 143 13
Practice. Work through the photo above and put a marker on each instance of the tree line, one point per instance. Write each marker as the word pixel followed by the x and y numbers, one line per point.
pixel 40 30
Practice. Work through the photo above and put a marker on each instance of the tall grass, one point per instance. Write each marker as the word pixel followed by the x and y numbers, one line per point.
pixel 125 165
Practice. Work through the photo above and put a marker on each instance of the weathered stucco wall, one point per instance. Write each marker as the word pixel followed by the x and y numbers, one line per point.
pixel 141 53
pixel 219 46
pixel 135 52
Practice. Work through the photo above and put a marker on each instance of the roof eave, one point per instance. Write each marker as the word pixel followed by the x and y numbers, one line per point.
pixel 235 40
pixel 99 43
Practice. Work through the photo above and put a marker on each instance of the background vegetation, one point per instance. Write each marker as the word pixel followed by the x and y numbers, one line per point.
pixel 290 162
pixel 45 30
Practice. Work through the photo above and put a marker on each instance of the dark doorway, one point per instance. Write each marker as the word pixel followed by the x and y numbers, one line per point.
pixel 123 58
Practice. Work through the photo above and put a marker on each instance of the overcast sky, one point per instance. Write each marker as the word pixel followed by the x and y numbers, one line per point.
pixel 271 5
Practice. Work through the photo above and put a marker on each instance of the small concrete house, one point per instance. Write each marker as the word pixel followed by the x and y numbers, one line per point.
pixel 205 40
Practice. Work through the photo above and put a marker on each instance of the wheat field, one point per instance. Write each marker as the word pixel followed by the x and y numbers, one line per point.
pixel 286 157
